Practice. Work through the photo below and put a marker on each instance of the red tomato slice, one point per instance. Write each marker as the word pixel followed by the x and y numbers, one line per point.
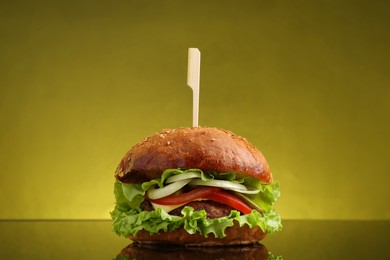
pixel 183 198
pixel 209 193
pixel 230 200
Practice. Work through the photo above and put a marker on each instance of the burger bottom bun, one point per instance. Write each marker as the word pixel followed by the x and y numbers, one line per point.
pixel 235 235
pixel 147 252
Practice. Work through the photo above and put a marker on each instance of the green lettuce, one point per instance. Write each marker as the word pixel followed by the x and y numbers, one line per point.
pixel 132 221
pixel 129 218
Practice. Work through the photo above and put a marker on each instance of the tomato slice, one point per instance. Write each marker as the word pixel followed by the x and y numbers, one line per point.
pixel 208 193
pixel 230 200
pixel 177 199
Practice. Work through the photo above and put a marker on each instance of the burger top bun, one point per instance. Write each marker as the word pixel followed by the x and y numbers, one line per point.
pixel 205 148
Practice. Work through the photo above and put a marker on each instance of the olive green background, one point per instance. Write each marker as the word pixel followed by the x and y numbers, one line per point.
pixel 307 82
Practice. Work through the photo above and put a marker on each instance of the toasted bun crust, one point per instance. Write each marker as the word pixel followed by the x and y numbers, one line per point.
pixel 235 235
pixel 205 148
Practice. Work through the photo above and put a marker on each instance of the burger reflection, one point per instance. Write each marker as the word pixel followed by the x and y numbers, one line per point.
pixel 168 252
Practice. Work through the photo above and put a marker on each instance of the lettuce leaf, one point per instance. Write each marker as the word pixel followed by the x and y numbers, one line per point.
pixel 132 221
pixel 267 196
pixel 133 193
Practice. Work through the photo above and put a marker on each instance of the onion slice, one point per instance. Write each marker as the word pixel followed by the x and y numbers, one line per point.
pixel 154 194
pixel 183 176
pixel 226 185
pixel 249 190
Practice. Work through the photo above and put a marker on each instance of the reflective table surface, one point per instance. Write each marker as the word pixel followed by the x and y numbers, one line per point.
pixel 299 239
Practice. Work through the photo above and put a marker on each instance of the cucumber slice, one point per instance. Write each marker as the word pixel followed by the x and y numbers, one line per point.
pixel 249 202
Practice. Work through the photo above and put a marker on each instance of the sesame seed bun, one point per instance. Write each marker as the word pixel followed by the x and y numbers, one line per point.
pixel 205 148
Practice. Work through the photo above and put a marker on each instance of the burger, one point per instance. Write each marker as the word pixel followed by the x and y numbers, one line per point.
pixel 195 186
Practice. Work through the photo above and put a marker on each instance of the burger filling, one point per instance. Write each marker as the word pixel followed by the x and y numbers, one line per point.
pixel 195 200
